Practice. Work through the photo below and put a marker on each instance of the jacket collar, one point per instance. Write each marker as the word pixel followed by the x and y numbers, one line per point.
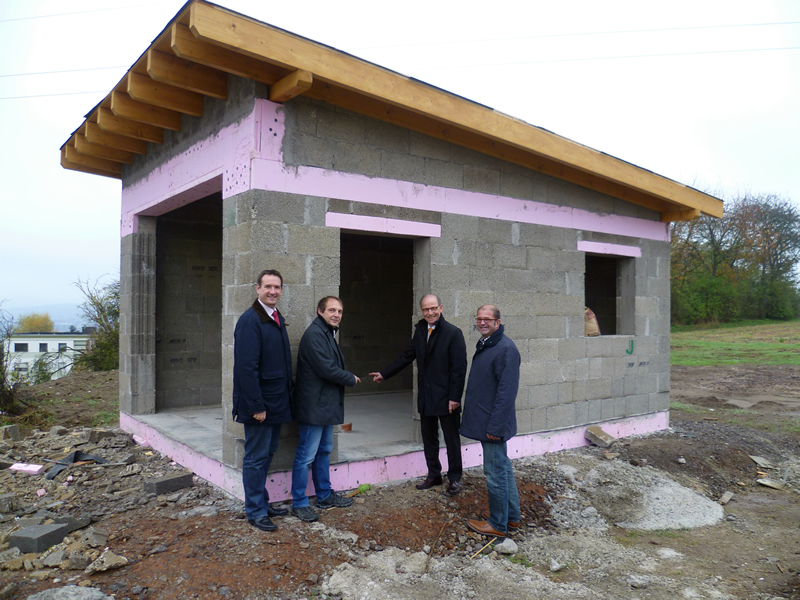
pixel 262 312
pixel 491 340
pixel 322 323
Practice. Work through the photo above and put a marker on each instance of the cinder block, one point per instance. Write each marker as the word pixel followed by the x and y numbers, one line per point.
pixel 10 432
pixel 560 416
pixel 341 126
pixel 507 256
pixel 551 327
pixel 637 405
pixel 320 241
pixel 515 185
pixel 386 136
pixel 482 180
pixel 539 419
pixel 543 350
pixel 658 401
pixel 9 503
pixel 357 158
pixel 403 167
pixel 598 388
pixel 38 538
pixel 168 483
pixel 304 149
pixel 443 174
pixel 423 145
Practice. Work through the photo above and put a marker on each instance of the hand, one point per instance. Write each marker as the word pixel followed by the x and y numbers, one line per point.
pixel 358 380
pixel 260 416
pixel 376 377
pixel 454 405
pixel 492 437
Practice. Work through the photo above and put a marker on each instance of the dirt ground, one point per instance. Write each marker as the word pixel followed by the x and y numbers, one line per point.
pixel 730 414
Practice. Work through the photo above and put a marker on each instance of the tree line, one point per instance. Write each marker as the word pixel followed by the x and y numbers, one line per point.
pixel 740 266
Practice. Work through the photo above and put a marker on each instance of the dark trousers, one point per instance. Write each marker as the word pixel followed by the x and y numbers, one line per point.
pixel 430 443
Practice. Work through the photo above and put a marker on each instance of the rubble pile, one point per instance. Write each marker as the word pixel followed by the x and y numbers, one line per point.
pixel 57 486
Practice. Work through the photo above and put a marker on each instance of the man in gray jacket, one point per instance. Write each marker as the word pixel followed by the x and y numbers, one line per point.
pixel 490 417
pixel 318 405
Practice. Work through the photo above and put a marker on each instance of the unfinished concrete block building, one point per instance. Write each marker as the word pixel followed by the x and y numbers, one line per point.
pixel 242 147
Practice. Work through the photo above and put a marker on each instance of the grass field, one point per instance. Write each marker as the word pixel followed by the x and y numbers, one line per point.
pixel 762 343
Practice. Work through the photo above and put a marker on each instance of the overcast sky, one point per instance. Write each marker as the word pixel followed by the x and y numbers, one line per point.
pixel 705 92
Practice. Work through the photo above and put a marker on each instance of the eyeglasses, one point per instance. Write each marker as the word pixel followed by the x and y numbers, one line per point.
pixel 479 321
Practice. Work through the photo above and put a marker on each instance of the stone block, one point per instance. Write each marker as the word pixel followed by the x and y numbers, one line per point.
pixel 658 402
pixel 10 432
pixel 357 158
pixel 38 538
pixel 598 437
pixel 543 350
pixel 515 185
pixel 508 256
pixel 481 180
pixel 637 405
pixel 341 126
pixel 9 503
pixel 386 136
pixel 423 145
pixel 443 174
pixel 304 149
pixel 560 416
pixel 73 523
pixel 320 241
pixel 403 167
pixel 168 483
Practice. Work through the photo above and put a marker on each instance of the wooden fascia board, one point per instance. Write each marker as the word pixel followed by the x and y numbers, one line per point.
pixel 187 75
pixel 111 123
pixel 291 86
pixel 185 45
pixel 681 215
pixel 86 148
pixel 95 135
pixel 143 89
pixel 375 109
pixel 126 107
pixel 217 26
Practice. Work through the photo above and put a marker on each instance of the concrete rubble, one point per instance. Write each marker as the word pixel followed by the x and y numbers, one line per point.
pixel 50 528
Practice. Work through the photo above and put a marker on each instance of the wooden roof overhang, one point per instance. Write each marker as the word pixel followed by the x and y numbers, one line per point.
pixel 191 58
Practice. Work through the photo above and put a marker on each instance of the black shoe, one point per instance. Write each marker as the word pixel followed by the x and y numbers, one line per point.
pixel 429 482
pixel 305 513
pixel 453 487
pixel 263 523
pixel 278 512
pixel 334 501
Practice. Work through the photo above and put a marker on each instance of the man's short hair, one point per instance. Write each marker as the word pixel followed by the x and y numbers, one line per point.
pixel 493 308
pixel 323 303
pixel 438 300
pixel 268 272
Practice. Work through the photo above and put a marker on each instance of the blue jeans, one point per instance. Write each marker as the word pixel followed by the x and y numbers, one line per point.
pixel 503 493
pixel 260 444
pixel 313 449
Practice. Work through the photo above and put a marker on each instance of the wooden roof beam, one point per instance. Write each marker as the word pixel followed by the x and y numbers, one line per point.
pixel 126 107
pixel 97 136
pixel 187 75
pixel 143 89
pixel 292 85
pixel 86 148
pixel 185 45
pixel 218 26
pixel 89 164
pixel 681 215
pixel 111 123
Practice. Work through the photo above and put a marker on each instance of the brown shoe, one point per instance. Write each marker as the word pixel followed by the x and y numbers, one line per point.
pixel 484 528
pixel 453 487
pixel 429 482
pixel 512 525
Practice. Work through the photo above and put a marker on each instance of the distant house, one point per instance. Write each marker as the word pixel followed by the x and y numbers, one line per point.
pixel 241 146
pixel 24 349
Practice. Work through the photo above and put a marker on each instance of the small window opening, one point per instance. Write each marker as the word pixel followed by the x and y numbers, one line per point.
pixel 609 291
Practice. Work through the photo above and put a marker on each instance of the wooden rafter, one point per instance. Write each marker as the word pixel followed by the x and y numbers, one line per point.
pixel 143 89
pixel 85 147
pixel 681 215
pixel 187 75
pixel 291 86
pixel 97 136
pixel 126 107
pixel 66 164
pixel 111 123
pixel 91 162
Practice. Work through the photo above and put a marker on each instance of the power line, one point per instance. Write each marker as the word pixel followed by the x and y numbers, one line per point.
pixel 590 58
pixel 53 95
pixel 83 12
pixel 578 34
pixel 64 71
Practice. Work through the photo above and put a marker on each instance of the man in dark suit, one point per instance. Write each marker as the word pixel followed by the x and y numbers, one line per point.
pixel 441 355
pixel 318 404
pixel 262 389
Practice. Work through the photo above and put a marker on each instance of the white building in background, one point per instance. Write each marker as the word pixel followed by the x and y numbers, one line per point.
pixel 24 349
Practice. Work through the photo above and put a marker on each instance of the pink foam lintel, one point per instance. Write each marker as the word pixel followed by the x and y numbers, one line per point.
pixel 383 225
pixel 614 249
pixel 326 183
pixel 345 476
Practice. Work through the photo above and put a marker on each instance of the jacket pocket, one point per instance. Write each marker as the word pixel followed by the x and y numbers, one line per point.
pixel 272 384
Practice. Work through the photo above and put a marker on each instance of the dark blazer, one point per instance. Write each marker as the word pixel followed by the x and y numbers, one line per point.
pixel 441 366
pixel 319 391
pixel 490 403
pixel 262 368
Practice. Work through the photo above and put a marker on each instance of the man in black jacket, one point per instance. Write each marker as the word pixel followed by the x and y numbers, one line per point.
pixel 318 405
pixel 441 355
pixel 262 390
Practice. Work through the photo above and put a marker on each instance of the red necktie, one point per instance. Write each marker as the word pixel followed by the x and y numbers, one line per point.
pixel 276 317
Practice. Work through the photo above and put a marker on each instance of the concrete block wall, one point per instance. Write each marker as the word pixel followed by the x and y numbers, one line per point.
pixel 270 230
pixel 533 273
pixel 137 337
pixel 189 305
